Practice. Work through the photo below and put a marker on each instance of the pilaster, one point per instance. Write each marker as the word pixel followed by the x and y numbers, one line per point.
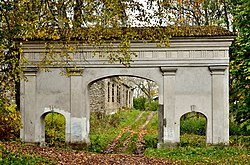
pixel 220 105
pixel 28 106
pixel 79 121
pixel 169 130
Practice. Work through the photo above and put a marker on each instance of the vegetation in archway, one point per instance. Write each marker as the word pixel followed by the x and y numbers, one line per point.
pixel 104 130
pixel 124 132
pixel 193 129
pixel 145 94
pixel 144 104
pixel 55 129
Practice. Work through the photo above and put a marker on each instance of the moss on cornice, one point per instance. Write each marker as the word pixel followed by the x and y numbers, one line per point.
pixel 133 33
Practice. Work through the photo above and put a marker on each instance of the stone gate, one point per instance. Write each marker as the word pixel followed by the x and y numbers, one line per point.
pixel 192 75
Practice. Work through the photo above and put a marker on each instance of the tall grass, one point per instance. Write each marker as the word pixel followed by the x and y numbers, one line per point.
pixel 103 131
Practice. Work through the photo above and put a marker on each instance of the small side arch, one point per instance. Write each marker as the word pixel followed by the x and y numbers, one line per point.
pixel 48 110
pixel 195 116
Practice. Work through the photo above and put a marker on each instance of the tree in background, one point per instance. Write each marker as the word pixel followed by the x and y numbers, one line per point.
pixel 145 92
pixel 198 12
pixel 65 20
pixel 232 15
pixel 143 87
pixel 240 66
pixel 90 21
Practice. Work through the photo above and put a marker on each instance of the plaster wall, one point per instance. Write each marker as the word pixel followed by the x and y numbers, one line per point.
pixel 53 90
pixel 193 94
pixel 192 75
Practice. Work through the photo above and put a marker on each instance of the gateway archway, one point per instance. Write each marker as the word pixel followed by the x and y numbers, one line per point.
pixel 192 75
pixel 112 105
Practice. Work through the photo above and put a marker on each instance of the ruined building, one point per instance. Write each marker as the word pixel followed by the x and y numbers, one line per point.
pixel 109 95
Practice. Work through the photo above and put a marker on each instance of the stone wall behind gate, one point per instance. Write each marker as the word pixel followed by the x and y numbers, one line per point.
pixel 101 93
pixel 97 93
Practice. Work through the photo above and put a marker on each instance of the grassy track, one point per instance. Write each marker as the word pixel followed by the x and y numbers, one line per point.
pixel 204 155
pixel 127 126
pixel 192 149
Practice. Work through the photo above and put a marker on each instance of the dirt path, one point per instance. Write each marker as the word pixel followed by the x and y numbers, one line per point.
pixel 71 157
pixel 150 116
pixel 113 144
pixel 78 157
pixel 140 142
pixel 112 148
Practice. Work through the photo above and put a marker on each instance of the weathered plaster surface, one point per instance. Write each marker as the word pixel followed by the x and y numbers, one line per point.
pixel 192 75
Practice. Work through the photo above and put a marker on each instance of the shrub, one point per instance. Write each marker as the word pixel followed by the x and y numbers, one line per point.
pixel 192 124
pixel 240 140
pixel 234 129
pixel 107 121
pixel 54 129
pixel 10 122
pixel 139 103
pixel 98 144
pixel 192 140
pixel 150 141
pixel 152 105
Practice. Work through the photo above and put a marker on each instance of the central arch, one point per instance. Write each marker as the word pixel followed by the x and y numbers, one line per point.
pixel 153 74
pixel 109 101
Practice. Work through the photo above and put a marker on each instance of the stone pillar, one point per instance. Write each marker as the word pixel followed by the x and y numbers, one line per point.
pixel 79 118
pixel 131 98
pixel 220 105
pixel 122 95
pixel 170 128
pixel 28 107
pixel 115 104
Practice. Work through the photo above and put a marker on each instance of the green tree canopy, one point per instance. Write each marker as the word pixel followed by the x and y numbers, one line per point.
pixel 240 66
pixel 90 21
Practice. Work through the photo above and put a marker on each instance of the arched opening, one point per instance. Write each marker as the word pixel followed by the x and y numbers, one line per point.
pixel 193 129
pixel 123 114
pixel 53 129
